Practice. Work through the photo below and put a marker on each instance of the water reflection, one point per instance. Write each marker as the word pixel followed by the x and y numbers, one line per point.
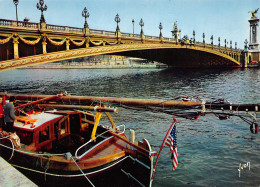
pixel 210 150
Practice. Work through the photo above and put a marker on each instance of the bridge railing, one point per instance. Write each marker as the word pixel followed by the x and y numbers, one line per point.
pixel 55 27
pixel 169 39
pixel 31 25
pixel 102 32
pixel 137 35
pixel 217 47
pixel 75 29
pixel 126 34
pixel 6 22
pixel 27 24
pixel 11 23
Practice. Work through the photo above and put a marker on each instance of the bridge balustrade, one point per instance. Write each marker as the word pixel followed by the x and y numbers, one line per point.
pixel 126 34
pixel 6 22
pixel 168 39
pixel 27 24
pixel 102 32
pixel 63 31
pixel 56 27
pixel 75 29
pixel 137 35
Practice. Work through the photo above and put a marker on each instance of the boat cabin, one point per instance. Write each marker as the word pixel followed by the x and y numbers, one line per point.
pixel 42 131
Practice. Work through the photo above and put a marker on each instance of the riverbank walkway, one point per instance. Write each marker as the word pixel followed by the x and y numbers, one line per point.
pixel 9 176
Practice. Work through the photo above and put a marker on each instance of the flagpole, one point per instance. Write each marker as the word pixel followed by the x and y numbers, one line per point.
pixel 174 121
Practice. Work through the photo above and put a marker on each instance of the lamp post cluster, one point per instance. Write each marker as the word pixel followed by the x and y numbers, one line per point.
pixel 211 39
pixel 194 40
pixel 40 6
pixel 85 14
pixel 16 3
pixel 141 23
pixel 160 27
pixel 117 20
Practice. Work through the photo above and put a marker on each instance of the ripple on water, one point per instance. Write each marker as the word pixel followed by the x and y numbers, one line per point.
pixel 210 150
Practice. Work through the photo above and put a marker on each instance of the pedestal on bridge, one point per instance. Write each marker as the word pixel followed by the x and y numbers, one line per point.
pixel 176 32
pixel 253 48
pixel 253 42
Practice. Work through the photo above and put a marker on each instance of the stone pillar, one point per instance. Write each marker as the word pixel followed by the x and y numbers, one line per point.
pixel 43 25
pixel 245 59
pixel 44 44
pixel 118 36
pixel 44 47
pixel 16 49
pixel 86 31
pixel 161 39
pixel 67 44
pixel 87 42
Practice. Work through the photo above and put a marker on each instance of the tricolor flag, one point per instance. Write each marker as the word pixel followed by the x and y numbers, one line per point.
pixel 172 143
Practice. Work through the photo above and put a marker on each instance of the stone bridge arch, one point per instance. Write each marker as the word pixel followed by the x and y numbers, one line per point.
pixel 173 55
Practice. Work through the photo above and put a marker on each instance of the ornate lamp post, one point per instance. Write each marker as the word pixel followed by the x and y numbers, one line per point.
pixel 225 43
pixel 246 46
pixel 235 45
pixel 41 8
pixel 117 20
pixel 85 14
pixel 160 27
pixel 219 41
pixel 194 37
pixel 16 3
pixel 133 21
pixel 230 44
pixel 203 36
pixel 141 23
pixel 211 38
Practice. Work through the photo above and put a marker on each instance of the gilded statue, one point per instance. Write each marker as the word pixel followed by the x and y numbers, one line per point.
pixel 254 13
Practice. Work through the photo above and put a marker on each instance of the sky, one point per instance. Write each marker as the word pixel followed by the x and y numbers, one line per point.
pixel 227 19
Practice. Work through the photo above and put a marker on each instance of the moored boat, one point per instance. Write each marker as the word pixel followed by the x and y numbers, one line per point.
pixel 69 146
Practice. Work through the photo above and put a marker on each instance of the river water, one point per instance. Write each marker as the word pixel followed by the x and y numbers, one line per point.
pixel 209 150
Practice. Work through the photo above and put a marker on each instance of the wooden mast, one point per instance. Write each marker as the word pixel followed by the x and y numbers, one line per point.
pixel 122 101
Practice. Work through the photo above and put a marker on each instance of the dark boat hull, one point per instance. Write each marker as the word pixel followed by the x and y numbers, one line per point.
pixel 112 174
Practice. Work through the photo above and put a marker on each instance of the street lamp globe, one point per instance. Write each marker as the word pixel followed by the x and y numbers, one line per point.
pixel 16 2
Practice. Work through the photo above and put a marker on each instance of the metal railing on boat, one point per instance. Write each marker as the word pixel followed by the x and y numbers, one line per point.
pixel 100 135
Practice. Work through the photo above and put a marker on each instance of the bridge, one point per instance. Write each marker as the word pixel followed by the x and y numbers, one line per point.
pixel 24 43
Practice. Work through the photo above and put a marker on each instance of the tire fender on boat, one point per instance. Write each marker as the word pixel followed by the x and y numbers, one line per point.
pixel 254 128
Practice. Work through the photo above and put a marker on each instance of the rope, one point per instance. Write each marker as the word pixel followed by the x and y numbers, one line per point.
pixel 69 155
pixel 30 153
pixel 8 137
pixel 77 175
pixel 12 150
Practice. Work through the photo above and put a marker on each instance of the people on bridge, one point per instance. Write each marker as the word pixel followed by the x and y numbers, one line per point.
pixel 9 115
